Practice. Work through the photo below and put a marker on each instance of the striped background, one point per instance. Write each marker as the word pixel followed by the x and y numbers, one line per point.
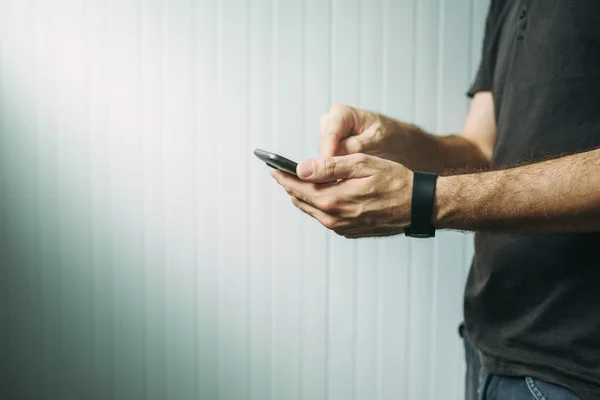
pixel 146 254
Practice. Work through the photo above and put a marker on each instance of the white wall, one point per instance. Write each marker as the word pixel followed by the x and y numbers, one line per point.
pixel 145 253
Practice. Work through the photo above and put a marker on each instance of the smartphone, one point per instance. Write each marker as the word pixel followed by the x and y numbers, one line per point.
pixel 276 161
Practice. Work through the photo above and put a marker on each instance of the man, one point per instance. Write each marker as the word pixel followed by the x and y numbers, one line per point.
pixel 532 301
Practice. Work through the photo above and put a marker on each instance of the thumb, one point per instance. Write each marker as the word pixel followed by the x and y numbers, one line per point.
pixel 352 145
pixel 331 169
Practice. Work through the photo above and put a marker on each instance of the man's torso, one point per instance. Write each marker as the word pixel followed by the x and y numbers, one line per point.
pixel 532 302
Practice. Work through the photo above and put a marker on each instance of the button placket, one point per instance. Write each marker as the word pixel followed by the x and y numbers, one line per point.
pixel 522 13
pixel 522 16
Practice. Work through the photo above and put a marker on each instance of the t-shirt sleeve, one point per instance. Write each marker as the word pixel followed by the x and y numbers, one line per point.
pixel 485 73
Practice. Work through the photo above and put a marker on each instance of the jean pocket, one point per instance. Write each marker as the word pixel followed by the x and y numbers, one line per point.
pixel 542 390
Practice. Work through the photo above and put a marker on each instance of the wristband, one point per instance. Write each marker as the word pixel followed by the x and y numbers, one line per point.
pixel 421 210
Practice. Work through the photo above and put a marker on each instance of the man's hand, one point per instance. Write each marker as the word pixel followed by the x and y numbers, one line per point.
pixel 355 195
pixel 347 130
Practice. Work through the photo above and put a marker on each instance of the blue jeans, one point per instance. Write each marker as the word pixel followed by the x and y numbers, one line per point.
pixel 479 385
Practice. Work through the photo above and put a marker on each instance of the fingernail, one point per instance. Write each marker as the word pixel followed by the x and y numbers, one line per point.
pixel 306 169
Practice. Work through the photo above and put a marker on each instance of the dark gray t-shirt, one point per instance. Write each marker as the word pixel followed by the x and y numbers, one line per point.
pixel 532 302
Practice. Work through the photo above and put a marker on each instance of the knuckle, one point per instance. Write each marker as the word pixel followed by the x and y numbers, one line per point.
pixel 378 130
pixel 329 205
pixel 359 213
pixel 360 145
pixel 377 124
pixel 329 166
pixel 340 109
pixel 371 190
pixel 330 223
pixel 290 191
pixel 361 160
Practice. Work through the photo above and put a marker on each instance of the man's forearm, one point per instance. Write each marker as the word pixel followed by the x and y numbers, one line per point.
pixel 555 196
pixel 431 153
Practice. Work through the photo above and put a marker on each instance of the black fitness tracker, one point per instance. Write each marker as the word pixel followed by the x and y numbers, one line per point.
pixel 421 210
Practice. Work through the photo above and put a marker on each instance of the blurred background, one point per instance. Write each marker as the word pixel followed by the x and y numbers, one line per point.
pixel 146 254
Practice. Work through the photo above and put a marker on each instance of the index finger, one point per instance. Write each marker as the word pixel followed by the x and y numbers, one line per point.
pixel 336 125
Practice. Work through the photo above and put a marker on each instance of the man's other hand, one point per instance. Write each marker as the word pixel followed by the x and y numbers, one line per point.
pixel 347 130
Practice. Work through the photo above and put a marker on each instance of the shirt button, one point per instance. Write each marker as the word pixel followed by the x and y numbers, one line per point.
pixel 523 13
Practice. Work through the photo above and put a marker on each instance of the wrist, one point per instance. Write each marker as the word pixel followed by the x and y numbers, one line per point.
pixel 399 141
pixel 446 202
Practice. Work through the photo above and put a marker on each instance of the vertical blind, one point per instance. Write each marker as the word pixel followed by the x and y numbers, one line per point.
pixel 146 254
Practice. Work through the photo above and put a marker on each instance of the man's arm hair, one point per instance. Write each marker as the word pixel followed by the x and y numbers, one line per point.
pixel 469 151
pixel 561 195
